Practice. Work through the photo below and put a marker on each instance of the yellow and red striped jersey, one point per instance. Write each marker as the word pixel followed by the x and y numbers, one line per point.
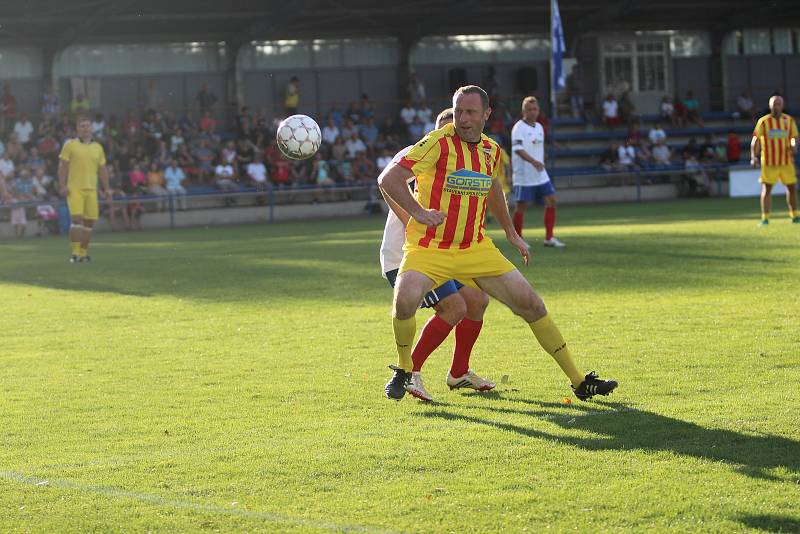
pixel 453 176
pixel 775 136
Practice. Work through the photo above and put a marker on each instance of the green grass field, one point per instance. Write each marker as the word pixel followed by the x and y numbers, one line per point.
pixel 230 379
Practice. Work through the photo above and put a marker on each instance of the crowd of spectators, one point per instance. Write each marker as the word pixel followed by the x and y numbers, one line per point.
pixel 158 153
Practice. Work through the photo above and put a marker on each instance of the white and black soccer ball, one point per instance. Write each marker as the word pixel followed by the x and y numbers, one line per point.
pixel 299 137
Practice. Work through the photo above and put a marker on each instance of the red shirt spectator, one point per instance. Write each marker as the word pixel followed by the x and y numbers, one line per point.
pixel 207 123
pixel 734 149
pixel 280 175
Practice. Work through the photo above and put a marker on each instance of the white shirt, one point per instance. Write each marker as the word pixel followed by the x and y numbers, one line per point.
pixel 6 167
pixel 626 154
pixel 529 138
pixel 257 171
pixel 610 109
pixel 23 131
pixel 225 171
pixel 394 233
pixel 656 135
pixel 408 114
pixel 329 134
pixel 354 147
pixel 425 115
pixel 383 162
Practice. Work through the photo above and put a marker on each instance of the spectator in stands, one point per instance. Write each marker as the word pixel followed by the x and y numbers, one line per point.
pixel 746 107
pixel 575 92
pixel 424 112
pixel 348 129
pixel 34 160
pixel 662 155
pixel 19 218
pixel 344 168
pixel 228 154
pixel 416 89
pixel 416 130
pixel 280 174
pixel 627 110
pixel 383 160
pixel 152 98
pixel 680 113
pixel 41 183
pixel 320 171
pixel 14 148
pixel 408 113
pixel 204 156
pixel 330 132
pixel 353 113
pixel 626 156
pixel 114 207
pixel 611 116
pixel 733 150
pixel 155 185
pixel 80 105
pixel 98 127
pixel 6 166
pixel 225 177
pixel 609 160
pixel 50 103
pixel 691 150
pixel 657 134
pixel 205 99
pixel 693 109
pixel 366 108
pixel 176 141
pixel 635 133
pixel 257 173
pixel 695 180
pixel 24 130
pixel 354 145
pixel 369 132
pixel 336 115
pixel 291 99
pixel 131 126
pixel 208 124
pixel 299 172
pixel 137 180
pixel 245 154
pixel 174 177
pixel 668 110
pixel 8 108
pixel 708 150
pixel 364 169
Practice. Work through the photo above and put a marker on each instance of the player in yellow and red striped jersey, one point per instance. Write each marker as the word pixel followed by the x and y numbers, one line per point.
pixel 456 169
pixel 775 137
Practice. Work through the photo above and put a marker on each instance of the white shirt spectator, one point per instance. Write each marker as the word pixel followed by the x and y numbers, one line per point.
pixel 661 154
pixel 656 135
pixel 382 162
pixel 257 172
pixel 610 109
pixel 329 134
pixel 23 131
pixel 354 146
pixel 226 171
pixel 407 114
pixel 626 154
pixel 429 127
pixel 425 114
pixel 529 138
pixel 667 109
pixel 175 143
pixel 97 128
pixel 6 167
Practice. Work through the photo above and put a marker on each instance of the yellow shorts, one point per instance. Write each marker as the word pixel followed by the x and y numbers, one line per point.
pixel 440 265
pixel 785 173
pixel 83 203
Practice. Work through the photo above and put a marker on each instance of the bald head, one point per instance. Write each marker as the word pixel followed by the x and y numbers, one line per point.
pixel 776 105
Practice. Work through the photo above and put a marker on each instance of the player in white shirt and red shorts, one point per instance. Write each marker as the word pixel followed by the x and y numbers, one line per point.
pixel 458 307
pixel 531 181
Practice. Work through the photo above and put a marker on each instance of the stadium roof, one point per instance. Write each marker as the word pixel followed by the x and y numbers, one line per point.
pixel 56 23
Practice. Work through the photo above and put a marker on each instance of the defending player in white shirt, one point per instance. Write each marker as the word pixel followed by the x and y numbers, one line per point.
pixel 457 306
pixel 531 181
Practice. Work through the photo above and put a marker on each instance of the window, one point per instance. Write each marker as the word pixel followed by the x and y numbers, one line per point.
pixel 639 66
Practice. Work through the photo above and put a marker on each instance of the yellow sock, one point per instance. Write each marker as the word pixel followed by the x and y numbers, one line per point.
pixel 81 251
pixel 550 339
pixel 764 216
pixel 404 331
pixel 76 248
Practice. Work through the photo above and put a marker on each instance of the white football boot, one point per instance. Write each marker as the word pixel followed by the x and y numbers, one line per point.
pixel 553 242
pixel 471 381
pixel 417 388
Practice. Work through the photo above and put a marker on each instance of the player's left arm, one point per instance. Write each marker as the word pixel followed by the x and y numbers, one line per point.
pixel 499 208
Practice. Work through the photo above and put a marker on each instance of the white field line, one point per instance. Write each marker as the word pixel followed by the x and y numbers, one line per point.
pixel 186 505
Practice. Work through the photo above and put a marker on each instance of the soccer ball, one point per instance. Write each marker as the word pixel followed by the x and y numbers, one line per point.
pixel 299 137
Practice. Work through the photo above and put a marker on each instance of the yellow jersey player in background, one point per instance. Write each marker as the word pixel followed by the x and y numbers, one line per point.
pixel 81 161
pixel 775 137
pixel 456 169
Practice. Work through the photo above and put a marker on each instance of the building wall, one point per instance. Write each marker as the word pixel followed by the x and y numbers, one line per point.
pixel 763 75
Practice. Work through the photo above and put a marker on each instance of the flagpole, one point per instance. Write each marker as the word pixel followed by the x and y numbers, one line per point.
pixel 553 110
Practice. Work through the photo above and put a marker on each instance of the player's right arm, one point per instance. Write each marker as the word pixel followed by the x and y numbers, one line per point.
pixel 517 142
pixel 755 144
pixel 393 181
pixel 63 168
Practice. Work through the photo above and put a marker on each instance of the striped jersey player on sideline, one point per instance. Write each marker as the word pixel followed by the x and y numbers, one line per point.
pixel 456 306
pixel 775 136
pixel 456 169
